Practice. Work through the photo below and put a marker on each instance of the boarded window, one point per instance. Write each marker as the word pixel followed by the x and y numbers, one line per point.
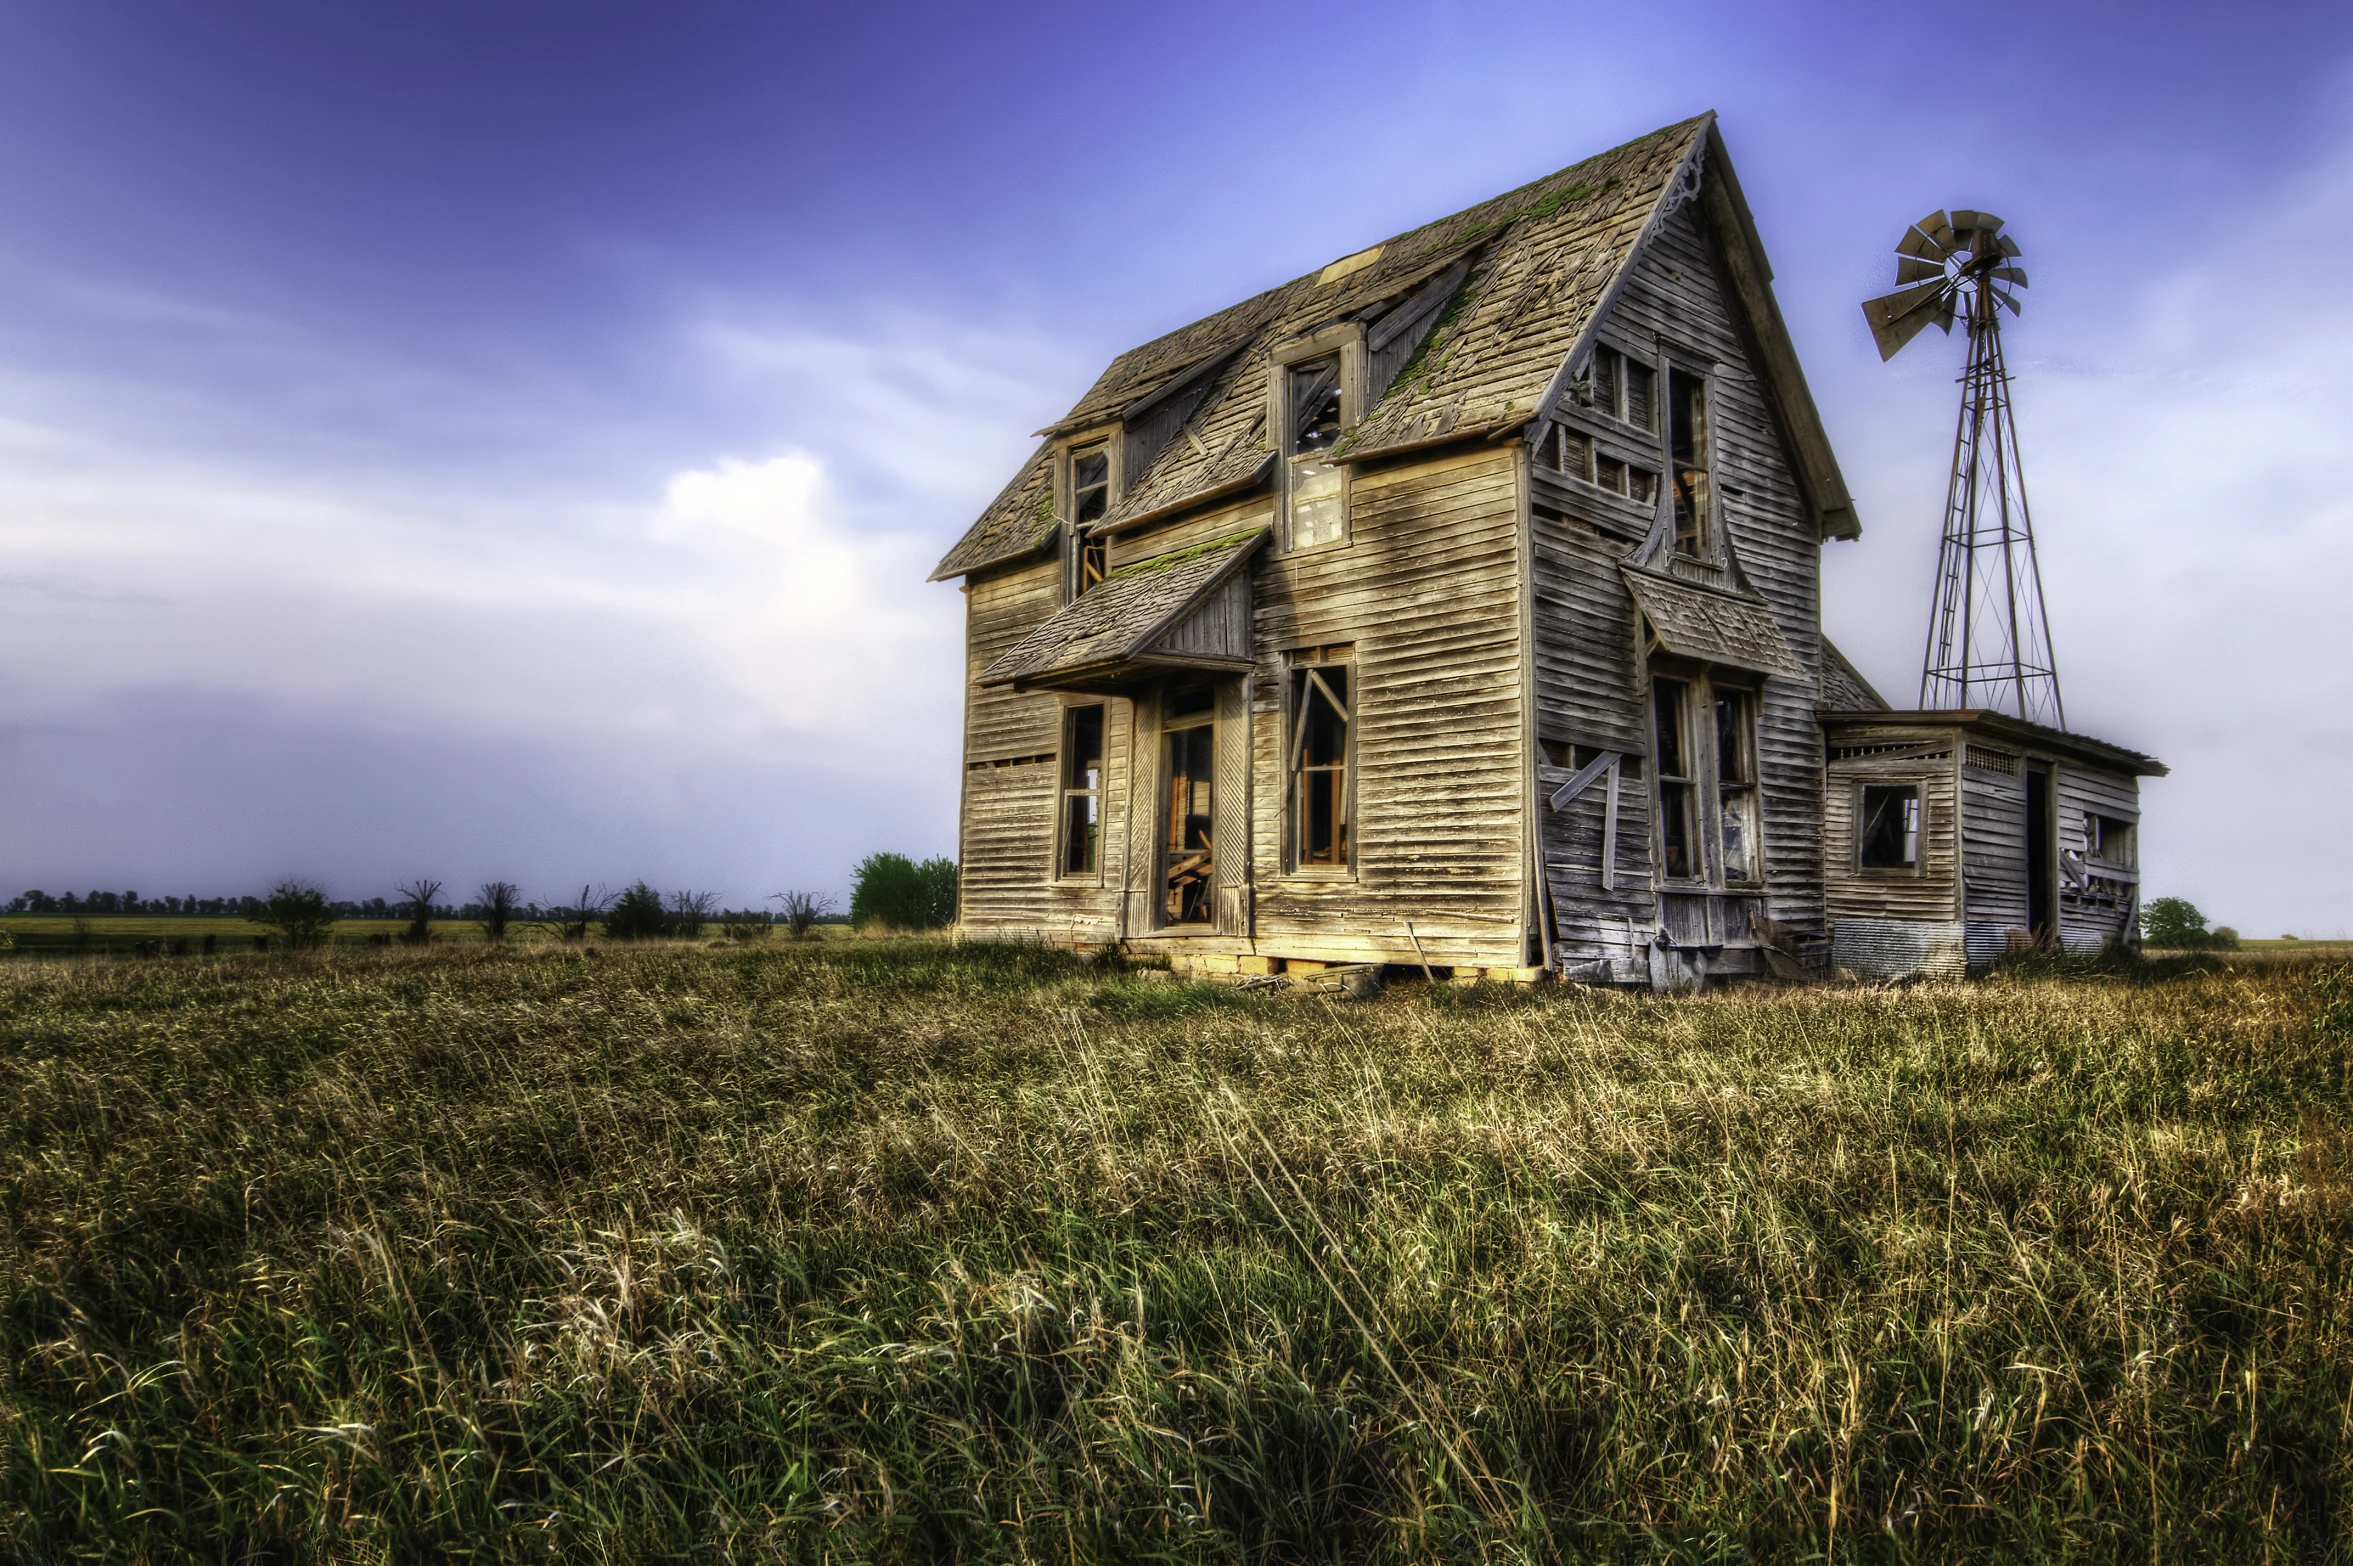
pixel 1736 783
pixel 1670 702
pixel 1889 835
pixel 1624 478
pixel 1082 789
pixel 1314 484
pixel 1322 724
pixel 1687 458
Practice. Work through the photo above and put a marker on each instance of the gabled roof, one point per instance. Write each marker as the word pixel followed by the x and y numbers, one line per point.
pixel 1118 621
pixel 1538 266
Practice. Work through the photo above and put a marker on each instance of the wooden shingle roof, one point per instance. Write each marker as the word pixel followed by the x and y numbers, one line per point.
pixel 1537 266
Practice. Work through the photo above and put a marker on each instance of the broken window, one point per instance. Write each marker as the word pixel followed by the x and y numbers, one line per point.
pixel 1687 457
pixel 1322 720
pixel 1189 749
pixel 1889 835
pixel 1572 451
pixel 1670 702
pixel 1082 789
pixel 1736 783
pixel 1623 388
pixel 1090 498
pixel 2109 840
pixel 1314 484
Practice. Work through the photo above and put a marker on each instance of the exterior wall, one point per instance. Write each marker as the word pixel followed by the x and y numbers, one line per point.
pixel 1591 686
pixel 1891 923
pixel 2097 916
pixel 1426 589
pixel 1012 776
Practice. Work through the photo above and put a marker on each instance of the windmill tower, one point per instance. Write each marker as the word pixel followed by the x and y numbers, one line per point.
pixel 1989 640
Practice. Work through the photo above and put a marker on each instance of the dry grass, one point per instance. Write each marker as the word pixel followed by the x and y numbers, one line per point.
pixel 905 1251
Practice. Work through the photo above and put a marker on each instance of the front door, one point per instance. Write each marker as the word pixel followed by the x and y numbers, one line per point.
pixel 1188 866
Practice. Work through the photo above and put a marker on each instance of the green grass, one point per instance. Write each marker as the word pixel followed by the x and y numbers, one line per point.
pixel 906 1251
pixel 120 935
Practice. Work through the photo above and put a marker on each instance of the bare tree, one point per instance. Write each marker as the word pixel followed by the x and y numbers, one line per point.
pixel 572 920
pixel 417 897
pixel 497 900
pixel 690 911
pixel 802 910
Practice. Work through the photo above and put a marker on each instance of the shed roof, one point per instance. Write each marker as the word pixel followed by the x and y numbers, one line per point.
pixel 2001 726
pixel 1540 265
pixel 1117 620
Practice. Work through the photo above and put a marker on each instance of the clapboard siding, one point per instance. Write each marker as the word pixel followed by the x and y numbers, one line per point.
pixel 1426 591
pixel 1590 682
pixel 2108 909
pixel 1851 892
pixel 1994 832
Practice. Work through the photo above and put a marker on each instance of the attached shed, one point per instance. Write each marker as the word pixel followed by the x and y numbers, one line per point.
pixel 1952 837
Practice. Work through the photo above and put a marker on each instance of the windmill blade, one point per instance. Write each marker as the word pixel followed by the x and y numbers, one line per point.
pixel 1912 269
pixel 1964 220
pixel 2015 276
pixel 2009 246
pixel 1899 317
pixel 1931 239
pixel 1944 316
pixel 2009 299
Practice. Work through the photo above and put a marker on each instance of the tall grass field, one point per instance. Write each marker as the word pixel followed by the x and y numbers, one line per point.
pixel 918 1251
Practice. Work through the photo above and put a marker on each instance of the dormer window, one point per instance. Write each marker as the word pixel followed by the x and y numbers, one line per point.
pixel 1090 498
pixel 1314 486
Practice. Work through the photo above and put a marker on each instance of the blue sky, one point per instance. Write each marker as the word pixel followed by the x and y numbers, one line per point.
pixel 507 439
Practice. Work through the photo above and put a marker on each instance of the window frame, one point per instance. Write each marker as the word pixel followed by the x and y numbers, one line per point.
pixel 1707 528
pixel 2096 839
pixel 1752 790
pixel 1685 777
pixel 1171 724
pixel 1078 547
pixel 1065 793
pixel 1297 666
pixel 1918 788
pixel 1347 342
pixel 1704 686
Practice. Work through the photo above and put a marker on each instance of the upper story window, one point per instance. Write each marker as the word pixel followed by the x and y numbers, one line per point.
pixel 1624 389
pixel 1689 459
pixel 1090 498
pixel 1315 488
pixel 1572 451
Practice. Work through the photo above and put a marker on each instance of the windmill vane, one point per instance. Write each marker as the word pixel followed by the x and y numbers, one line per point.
pixel 1989 639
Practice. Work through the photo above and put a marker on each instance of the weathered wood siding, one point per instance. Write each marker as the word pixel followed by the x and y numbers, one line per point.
pixel 1923 757
pixel 2108 910
pixel 1012 779
pixel 1590 685
pixel 1427 590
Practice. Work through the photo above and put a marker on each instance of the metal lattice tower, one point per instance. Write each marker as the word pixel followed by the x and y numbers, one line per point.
pixel 1989 638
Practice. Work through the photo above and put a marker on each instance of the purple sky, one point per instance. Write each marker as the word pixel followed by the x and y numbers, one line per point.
pixel 507 438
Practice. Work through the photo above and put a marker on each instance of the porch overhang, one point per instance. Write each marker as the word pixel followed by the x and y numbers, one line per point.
pixel 1712 625
pixel 1186 611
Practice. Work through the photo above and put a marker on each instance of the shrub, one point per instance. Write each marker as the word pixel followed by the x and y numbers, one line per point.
pixel 690 911
pixel 2224 939
pixel 298 911
pixel 637 915
pixel 802 910
pixel 573 919
pixel 2174 924
pixel 746 924
pixel 893 891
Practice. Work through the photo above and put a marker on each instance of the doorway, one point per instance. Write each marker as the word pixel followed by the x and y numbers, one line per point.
pixel 2041 909
pixel 1188 863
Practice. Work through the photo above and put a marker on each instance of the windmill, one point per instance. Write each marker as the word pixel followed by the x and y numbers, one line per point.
pixel 1989 640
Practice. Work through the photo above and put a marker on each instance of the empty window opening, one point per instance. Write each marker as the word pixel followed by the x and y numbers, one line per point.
pixel 1082 790
pixel 1687 457
pixel 1090 498
pixel 1622 388
pixel 1736 783
pixel 1890 835
pixel 1188 863
pixel 2110 841
pixel 1315 485
pixel 1670 702
pixel 1321 729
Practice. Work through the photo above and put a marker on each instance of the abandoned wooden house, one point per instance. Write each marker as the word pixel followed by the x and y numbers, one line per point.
pixel 1457 605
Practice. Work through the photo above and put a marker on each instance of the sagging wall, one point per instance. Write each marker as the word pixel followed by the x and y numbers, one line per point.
pixel 1591 686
